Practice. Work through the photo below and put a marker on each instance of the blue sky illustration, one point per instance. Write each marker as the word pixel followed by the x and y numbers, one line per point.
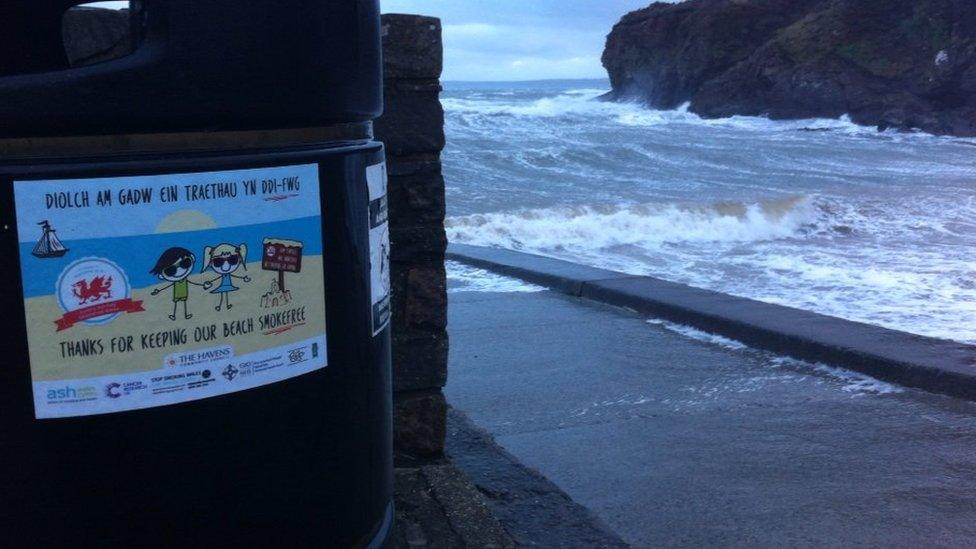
pixel 145 219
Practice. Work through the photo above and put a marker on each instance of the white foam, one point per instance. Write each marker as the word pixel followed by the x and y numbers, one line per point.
pixel 574 102
pixel 699 335
pixel 851 382
pixel 465 278
pixel 589 93
pixel 584 102
pixel 623 401
pixel 604 226
pixel 794 251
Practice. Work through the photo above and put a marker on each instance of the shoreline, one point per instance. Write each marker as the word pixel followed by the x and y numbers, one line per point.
pixel 935 365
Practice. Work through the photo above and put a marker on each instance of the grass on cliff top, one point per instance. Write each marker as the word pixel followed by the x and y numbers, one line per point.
pixel 889 46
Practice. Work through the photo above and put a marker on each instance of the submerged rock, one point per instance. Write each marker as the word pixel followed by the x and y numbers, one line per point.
pixel 905 64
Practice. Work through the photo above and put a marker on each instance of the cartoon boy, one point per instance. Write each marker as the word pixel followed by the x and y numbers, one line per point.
pixel 175 266
pixel 225 260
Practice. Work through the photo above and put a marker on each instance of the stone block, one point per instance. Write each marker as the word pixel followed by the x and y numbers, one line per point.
pixel 420 296
pixel 413 121
pixel 418 243
pixel 419 426
pixel 415 164
pixel 412 46
pixel 417 200
pixel 420 362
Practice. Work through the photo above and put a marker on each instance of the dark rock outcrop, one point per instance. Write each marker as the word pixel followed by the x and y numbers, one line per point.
pixel 892 63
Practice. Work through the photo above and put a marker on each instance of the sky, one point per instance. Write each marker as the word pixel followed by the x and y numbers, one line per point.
pixel 521 39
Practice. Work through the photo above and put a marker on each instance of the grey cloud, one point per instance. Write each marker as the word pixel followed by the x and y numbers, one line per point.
pixel 521 39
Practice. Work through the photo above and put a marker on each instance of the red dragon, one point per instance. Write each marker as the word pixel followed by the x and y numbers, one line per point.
pixel 90 291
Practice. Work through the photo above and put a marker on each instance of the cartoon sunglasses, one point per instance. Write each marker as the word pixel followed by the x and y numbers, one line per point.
pixel 185 263
pixel 230 260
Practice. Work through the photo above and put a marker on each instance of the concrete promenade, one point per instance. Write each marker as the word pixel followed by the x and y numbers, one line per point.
pixel 936 365
pixel 676 438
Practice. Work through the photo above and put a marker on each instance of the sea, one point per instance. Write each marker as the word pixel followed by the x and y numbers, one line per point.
pixel 820 214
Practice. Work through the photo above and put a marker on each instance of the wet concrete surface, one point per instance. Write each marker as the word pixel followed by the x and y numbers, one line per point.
pixel 674 438
pixel 531 509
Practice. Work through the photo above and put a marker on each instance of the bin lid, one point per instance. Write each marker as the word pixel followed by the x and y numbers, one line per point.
pixel 194 65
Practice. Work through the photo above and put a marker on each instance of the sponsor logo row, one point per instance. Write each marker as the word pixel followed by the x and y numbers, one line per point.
pixel 182 380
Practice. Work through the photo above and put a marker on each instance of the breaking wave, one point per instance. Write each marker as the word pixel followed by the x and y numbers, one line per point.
pixel 607 226
pixel 585 103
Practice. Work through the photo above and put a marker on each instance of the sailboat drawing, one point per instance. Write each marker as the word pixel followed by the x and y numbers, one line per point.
pixel 49 246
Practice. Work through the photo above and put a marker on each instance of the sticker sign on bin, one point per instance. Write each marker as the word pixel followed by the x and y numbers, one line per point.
pixel 379 246
pixel 146 291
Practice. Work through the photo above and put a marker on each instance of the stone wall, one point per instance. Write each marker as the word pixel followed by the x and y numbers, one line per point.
pixel 412 128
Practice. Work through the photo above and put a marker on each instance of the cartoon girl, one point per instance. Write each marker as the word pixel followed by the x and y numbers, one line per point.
pixel 224 260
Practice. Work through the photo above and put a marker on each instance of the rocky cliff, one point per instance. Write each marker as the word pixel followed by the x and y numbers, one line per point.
pixel 892 63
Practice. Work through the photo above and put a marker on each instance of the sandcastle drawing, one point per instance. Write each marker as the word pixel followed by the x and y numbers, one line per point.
pixel 275 297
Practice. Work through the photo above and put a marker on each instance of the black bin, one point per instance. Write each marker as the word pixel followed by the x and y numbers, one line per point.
pixel 196 263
